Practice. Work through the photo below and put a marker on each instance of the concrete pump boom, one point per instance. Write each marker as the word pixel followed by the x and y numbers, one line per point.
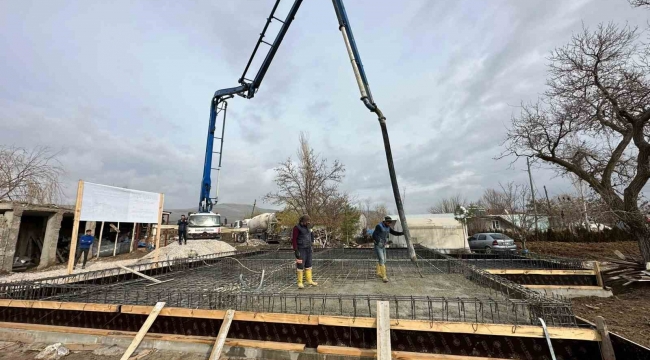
pixel 248 88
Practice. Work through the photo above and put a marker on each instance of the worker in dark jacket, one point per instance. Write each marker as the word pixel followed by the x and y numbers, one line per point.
pixel 380 237
pixel 85 244
pixel 302 239
pixel 182 230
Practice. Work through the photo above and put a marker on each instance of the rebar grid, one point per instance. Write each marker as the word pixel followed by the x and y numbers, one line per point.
pixel 235 280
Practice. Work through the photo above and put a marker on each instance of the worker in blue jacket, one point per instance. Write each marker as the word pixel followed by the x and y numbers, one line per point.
pixel 380 237
pixel 85 244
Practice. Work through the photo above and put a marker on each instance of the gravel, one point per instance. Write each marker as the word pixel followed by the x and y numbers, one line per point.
pixel 191 249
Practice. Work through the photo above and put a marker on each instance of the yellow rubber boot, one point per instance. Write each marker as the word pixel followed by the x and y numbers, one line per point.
pixel 383 273
pixel 300 285
pixel 308 278
pixel 379 275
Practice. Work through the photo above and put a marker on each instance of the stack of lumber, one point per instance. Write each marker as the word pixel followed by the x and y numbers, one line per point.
pixel 627 270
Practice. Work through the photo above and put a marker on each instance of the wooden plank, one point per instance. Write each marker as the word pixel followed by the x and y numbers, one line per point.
pixel 221 337
pixel 566 287
pixel 159 227
pixel 606 348
pixel 75 226
pixel 466 328
pixel 383 330
pixel 142 354
pixel 117 238
pixel 55 305
pixel 139 274
pixel 346 351
pixel 132 236
pixel 143 331
pixel 371 353
pixel 297 319
pixel 269 345
pixel 101 233
pixel 599 275
pixel 539 272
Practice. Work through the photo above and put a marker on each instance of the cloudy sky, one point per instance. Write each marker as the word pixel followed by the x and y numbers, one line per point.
pixel 122 89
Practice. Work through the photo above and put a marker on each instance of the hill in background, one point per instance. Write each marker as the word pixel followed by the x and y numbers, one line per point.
pixel 232 212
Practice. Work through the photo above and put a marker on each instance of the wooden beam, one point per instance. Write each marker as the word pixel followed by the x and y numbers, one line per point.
pixel 297 319
pixel 383 330
pixel 466 328
pixel 143 331
pixel 55 305
pixel 606 348
pixel 75 226
pixel 565 287
pixel 101 233
pixel 539 272
pixel 599 275
pixel 371 353
pixel 117 238
pixel 133 236
pixel 221 337
pixel 161 204
pixel 139 274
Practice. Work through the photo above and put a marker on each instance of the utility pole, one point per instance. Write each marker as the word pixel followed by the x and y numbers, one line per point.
pixel 584 206
pixel 548 203
pixel 253 212
pixel 532 192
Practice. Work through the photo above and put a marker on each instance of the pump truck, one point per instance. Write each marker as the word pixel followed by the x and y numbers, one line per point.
pixel 248 88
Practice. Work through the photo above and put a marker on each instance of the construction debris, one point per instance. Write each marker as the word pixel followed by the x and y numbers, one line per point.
pixel 53 352
pixel 627 270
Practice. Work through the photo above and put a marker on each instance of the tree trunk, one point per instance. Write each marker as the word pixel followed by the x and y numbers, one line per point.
pixel 642 234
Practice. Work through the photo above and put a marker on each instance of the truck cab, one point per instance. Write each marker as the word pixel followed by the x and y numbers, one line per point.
pixel 204 226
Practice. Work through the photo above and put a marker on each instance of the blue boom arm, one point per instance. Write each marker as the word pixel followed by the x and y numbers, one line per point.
pixel 248 88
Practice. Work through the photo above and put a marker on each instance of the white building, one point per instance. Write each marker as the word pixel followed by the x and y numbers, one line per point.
pixel 434 231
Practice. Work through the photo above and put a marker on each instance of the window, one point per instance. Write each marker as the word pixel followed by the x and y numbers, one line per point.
pixel 496 225
pixel 481 237
pixel 472 238
pixel 204 220
pixel 500 237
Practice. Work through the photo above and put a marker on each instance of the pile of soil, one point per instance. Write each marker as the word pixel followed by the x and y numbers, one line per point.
pixel 588 251
pixel 627 314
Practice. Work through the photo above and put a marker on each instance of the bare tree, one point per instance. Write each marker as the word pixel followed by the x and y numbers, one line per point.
pixel 374 214
pixel 448 205
pixel 494 201
pixel 639 3
pixel 309 185
pixel 29 176
pixel 515 199
pixel 593 120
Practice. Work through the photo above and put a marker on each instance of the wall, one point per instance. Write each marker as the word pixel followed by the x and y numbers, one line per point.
pixel 436 231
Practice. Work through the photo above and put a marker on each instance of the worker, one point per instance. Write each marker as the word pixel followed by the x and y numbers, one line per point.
pixel 302 239
pixel 380 237
pixel 182 230
pixel 85 243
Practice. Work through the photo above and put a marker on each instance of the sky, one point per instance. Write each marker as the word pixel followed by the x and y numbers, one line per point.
pixel 121 90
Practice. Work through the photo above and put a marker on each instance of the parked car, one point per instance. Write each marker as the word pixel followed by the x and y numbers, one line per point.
pixel 491 242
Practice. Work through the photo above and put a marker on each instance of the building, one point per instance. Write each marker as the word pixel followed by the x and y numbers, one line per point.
pixel 435 231
pixel 29 234
pixel 507 222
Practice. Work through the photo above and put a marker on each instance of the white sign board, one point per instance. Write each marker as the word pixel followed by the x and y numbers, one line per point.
pixel 109 203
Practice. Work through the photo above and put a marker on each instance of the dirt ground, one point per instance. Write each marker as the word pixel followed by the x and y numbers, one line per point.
pixel 628 312
pixel 587 251
pixel 18 351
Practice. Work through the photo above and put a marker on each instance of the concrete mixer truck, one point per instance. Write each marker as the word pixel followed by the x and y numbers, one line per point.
pixel 264 227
